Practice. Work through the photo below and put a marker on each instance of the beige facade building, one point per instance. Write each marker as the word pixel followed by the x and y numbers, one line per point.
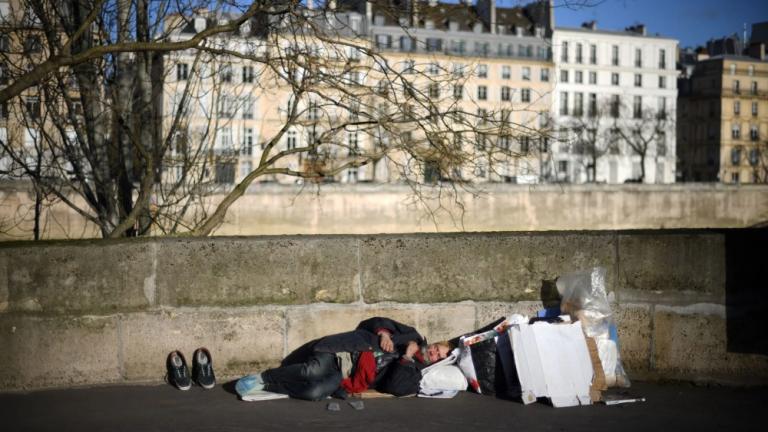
pixel 723 121
pixel 488 67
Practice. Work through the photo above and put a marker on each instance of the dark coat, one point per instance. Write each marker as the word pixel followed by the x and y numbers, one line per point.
pixel 363 338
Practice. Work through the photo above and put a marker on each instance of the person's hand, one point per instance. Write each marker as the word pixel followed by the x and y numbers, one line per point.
pixel 411 349
pixel 385 341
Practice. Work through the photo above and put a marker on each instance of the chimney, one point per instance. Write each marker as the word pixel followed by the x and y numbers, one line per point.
pixel 637 28
pixel 199 23
pixel 590 25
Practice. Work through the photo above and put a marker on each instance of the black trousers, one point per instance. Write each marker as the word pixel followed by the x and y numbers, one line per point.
pixel 315 378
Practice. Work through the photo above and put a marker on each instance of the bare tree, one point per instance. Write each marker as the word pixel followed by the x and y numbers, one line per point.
pixel 645 132
pixel 138 107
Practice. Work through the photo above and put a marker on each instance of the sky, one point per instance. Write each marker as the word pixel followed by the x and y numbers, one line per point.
pixel 692 22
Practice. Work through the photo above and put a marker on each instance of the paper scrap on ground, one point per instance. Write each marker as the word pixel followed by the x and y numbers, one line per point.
pixel 262 395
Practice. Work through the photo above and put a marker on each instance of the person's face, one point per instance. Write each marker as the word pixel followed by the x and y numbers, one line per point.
pixel 436 352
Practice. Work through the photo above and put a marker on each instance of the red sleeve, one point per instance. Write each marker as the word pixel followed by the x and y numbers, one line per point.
pixel 365 373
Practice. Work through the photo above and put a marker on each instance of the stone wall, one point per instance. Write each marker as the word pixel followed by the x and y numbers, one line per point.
pixel 375 209
pixel 92 312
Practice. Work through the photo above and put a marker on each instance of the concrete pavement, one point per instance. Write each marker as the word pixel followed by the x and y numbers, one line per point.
pixel 162 408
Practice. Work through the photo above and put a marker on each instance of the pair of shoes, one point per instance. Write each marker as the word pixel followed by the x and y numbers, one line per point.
pixel 202 370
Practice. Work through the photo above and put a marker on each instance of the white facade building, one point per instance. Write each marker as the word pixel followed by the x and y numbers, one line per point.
pixel 607 82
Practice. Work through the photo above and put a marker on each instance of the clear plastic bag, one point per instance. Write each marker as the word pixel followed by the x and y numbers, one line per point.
pixel 584 298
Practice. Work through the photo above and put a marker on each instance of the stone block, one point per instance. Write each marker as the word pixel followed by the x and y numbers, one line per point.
pixel 240 340
pixel 692 264
pixel 487 312
pixel 305 324
pixel 445 321
pixel 57 351
pixel 79 277
pixel 481 267
pixel 690 344
pixel 633 323
pixel 253 271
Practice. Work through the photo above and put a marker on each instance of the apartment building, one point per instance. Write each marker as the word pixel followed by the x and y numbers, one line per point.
pixel 613 104
pixel 723 120
pixel 489 62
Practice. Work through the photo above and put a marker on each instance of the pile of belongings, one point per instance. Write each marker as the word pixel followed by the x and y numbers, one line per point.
pixel 568 355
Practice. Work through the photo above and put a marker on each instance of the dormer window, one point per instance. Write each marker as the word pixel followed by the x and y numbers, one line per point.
pixel 378 20
pixel 478 27
pixel 429 25
pixel 199 24
pixel 453 26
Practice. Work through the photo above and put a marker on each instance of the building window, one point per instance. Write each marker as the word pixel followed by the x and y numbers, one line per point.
pixel 407 44
pixel 638 80
pixel 506 72
pixel 638 57
pixel 736 131
pixel 247 149
pixel 563 103
pixel 525 144
pixel 434 90
pixel 592 105
pixel 662 109
pixel 383 41
pixel 662 59
pixel 562 167
pixel 593 54
pixel 248 107
pixel 637 107
pixel 734 177
pixel 578 53
pixel 593 77
pixel 736 156
pixel 736 107
pixel 247 74
pixel 614 79
pixel 661 144
pixel 564 53
pixel 526 73
pixel 753 88
pixel 736 87
pixel 352 142
pixel 662 82
pixel 544 74
pixel 434 44
pixel 505 93
pixel 504 142
pixel 458 91
pixel 32 44
pixel 754 133
pixel 182 72
pixel 482 92
pixel 754 157
pixel 408 67
pixel 525 95
pixel 32 105
pixel 615 105
pixel 482 71
pixel 754 109
pixel 290 140
pixel 615 55
pixel 226 73
pixel 579 77
pixel 578 104
pixel 564 76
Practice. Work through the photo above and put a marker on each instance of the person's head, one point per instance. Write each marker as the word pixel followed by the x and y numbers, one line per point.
pixel 438 351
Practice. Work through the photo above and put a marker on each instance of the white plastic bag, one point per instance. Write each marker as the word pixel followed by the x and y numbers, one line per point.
pixel 584 297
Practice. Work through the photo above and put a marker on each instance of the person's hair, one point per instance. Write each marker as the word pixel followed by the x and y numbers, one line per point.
pixel 446 344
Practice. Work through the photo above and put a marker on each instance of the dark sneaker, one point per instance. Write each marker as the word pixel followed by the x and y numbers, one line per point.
pixel 202 369
pixel 178 372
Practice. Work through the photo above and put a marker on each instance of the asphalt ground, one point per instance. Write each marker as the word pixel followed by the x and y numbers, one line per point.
pixel 668 407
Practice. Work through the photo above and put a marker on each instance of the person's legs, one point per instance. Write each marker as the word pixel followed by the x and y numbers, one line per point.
pixel 313 379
